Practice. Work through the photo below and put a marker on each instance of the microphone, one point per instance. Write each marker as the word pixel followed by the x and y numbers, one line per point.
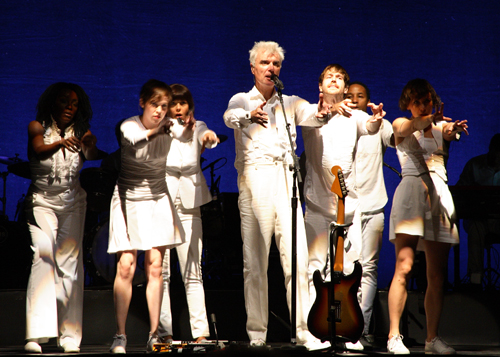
pixel 179 120
pixel 279 84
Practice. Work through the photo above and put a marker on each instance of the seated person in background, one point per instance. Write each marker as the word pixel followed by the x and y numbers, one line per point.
pixel 482 170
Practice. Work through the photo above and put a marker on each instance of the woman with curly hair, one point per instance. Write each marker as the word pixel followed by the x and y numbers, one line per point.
pixel 59 142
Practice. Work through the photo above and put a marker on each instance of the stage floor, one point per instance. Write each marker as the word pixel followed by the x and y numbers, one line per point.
pixel 470 323
pixel 242 349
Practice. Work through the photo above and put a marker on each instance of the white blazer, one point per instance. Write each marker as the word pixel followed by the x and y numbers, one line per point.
pixel 184 176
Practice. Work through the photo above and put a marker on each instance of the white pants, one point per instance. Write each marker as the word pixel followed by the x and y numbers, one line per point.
pixel 264 201
pixel 317 223
pixel 54 297
pixel 189 255
pixel 372 227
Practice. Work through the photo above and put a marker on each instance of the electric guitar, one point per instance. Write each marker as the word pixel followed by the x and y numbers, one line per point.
pixel 337 301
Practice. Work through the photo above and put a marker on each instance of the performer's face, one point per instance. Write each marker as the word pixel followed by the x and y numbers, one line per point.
pixel 357 94
pixel 265 65
pixel 179 109
pixel 65 107
pixel 333 83
pixel 154 111
pixel 421 106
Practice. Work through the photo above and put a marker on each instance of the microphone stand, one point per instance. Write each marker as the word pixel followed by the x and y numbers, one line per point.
pixel 294 202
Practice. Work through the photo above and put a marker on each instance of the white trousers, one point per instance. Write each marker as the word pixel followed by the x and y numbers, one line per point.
pixel 372 227
pixel 189 255
pixel 54 297
pixel 264 201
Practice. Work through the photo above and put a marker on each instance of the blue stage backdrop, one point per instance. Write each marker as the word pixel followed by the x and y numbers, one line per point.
pixel 112 47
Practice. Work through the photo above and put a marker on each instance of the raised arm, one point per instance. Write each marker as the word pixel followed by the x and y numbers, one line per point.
pixel 89 148
pixel 374 122
pixel 450 130
pixel 237 117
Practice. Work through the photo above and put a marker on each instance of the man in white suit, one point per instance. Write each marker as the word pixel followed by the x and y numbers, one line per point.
pixel 263 156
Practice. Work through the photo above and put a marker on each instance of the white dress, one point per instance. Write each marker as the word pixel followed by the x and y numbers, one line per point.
pixel 422 203
pixel 142 215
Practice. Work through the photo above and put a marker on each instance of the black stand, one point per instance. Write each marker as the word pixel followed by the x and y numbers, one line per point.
pixel 335 276
pixel 294 203
pixel 3 199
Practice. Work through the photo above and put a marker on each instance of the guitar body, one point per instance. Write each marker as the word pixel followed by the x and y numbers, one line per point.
pixel 350 326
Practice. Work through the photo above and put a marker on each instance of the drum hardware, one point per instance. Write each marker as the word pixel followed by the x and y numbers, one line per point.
pixel 100 266
pixel 4 197
pixel 9 161
pixel 214 184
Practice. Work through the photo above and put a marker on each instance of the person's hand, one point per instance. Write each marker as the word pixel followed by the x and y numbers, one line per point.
pixel 377 110
pixel 345 107
pixel 324 109
pixel 438 115
pixel 190 121
pixel 458 126
pixel 210 138
pixel 89 141
pixel 259 116
pixel 164 126
pixel 72 144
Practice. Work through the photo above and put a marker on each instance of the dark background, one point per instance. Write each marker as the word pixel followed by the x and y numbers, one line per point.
pixel 112 47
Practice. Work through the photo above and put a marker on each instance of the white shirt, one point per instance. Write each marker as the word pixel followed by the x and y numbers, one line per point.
pixel 418 154
pixel 370 182
pixel 142 174
pixel 184 176
pixel 333 144
pixel 258 145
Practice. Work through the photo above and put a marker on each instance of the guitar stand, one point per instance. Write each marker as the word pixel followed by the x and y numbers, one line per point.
pixel 335 276
pixel 334 227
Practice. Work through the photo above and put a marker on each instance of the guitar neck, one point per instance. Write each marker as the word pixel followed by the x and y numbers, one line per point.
pixel 339 248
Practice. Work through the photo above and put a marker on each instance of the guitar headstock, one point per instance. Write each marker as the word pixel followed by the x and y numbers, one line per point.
pixel 338 186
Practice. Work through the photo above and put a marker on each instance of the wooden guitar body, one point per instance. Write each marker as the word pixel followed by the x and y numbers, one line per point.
pixel 349 324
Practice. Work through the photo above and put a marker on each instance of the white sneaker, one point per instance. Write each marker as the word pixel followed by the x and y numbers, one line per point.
pixel 395 345
pixel 316 344
pixel 258 343
pixel 119 344
pixel 33 347
pixel 70 347
pixel 439 347
pixel 354 346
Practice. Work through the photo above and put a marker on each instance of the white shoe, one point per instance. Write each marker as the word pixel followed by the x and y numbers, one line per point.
pixel 33 347
pixel 395 345
pixel 439 347
pixel 119 344
pixel 258 343
pixel 354 346
pixel 316 344
pixel 70 347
